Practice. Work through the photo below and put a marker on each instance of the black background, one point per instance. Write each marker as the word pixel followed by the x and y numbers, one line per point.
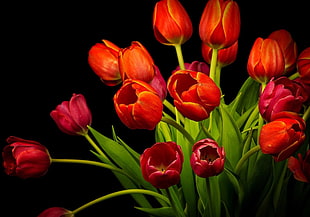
pixel 44 50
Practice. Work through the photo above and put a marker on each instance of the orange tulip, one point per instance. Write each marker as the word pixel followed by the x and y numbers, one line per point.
pixel 220 23
pixel 171 23
pixel 138 105
pixel 303 65
pixel 265 60
pixel 300 167
pixel 135 62
pixel 103 60
pixel 288 47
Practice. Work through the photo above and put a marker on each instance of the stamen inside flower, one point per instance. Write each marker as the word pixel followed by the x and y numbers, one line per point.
pixel 209 154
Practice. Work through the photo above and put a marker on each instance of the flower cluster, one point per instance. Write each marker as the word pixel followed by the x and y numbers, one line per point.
pixel 210 158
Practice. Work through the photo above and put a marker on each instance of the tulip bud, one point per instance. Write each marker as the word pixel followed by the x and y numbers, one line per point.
pixel 288 47
pixel 207 158
pixel 220 23
pixel 135 62
pixel 56 212
pixel 282 136
pixel 300 167
pixel 195 94
pixel 196 66
pixel 159 84
pixel 138 105
pixel 25 158
pixel 281 94
pixel 303 65
pixel 225 56
pixel 73 117
pixel 103 60
pixel 265 60
pixel 171 23
pixel 161 164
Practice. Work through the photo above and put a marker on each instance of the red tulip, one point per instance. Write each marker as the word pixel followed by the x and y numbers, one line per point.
pixel 195 94
pixel 73 117
pixel 300 167
pixel 161 164
pixel 220 23
pixel 281 94
pixel 25 158
pixel 103 60
pixel 265 60
pixel 288 47
pixel 159 84
pixel 303 65
pixel 56 212
pixel 138 105
pixel 282 136
pixel 196 66
pixel 135 62
pixel 207 158
pixel 226 56
pixel 171 23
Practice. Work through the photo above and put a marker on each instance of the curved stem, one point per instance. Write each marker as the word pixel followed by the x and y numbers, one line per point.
pixel 120 193
pixel 245 158
pixel 306 114
pixel 180 56
pixel 93 163
pixel 213 65
pixel 179 128
pixel 169 106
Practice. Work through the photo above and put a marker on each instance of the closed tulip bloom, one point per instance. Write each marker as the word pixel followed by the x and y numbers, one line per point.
pixel 225 56
pixel 282 136
pixel 159 84
pixel 161 164
pixel 195 94
pixel 56 212
pixel 171 23
pixel 25 158
pixel 220 23
pixel 73 117
pixel 266 60
pixel 196 66
pixel 300 167
pixel 138 105
pixel 281 94
pixel 288 47
pixel 135 62
pixel 207 158
pixel 103 60
pixel 303 65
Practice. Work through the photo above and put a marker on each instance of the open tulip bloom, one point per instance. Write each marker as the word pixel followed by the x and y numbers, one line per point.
pixel 211 158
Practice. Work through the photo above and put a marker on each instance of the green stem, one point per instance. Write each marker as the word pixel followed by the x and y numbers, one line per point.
pixel 306 114
pixel 93 163
pixel 120 193
pixel 98 150
pixel 245 157
pixel 179 128
pixel 180 56
pixel 213 65
pixel 174 204
pixel 169 106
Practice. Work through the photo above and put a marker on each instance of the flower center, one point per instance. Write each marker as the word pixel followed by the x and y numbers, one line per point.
pixel 209 154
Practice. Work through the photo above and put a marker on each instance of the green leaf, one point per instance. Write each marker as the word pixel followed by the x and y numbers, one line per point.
pixel 160 212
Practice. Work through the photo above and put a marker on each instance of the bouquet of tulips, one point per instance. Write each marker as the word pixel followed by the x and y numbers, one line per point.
pixel 249 157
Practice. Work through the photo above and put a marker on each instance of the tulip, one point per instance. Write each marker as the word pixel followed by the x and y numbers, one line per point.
pixel 282 136
pixel 135 62
pixel 73 117
pixel 56 212
pixel 103 60
pixel 220 23
pixel 288 47
pixel 300 167
pixel 138 105
pixel 225 56
pixel 207 158
pixel 196 66
pixel 303 65
pixel 159 84
pixel 25 158
pixel 161 164
pixel 171 23
pixel 265 60
pixel 195 94
pixel 281 94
